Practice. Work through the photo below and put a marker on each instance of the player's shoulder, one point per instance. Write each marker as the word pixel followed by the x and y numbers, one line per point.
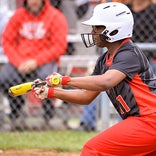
pixel 128 47
pixel 129 51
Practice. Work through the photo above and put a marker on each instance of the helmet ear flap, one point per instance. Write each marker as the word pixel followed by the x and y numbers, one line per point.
pixel 103 35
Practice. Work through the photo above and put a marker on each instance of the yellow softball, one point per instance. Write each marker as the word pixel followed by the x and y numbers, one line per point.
pixel 55 80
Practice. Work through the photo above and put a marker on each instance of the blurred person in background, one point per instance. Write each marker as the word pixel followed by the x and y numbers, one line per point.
pixel 33 41
pixel 122 1
pixel 144 12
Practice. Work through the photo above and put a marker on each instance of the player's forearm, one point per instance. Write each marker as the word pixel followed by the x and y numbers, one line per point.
pixel 75 96
pixel 95 83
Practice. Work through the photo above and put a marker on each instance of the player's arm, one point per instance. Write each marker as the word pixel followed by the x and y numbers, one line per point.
pixel 100 82
pixel 95 83
pixel 77 96
pixel 90 86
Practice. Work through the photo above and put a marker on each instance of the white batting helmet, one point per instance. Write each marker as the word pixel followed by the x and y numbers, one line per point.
pixel 116 17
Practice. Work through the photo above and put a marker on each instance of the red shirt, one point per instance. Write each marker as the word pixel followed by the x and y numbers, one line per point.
pixel 42 37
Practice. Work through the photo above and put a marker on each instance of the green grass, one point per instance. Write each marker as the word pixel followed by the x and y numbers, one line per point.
pixel 55 140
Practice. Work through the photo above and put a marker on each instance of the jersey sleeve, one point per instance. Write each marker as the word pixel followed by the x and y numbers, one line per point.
pixel 97 70
pixel 127 62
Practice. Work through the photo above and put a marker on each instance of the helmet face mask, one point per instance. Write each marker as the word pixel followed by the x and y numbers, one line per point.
pixel 97 36
pixel 117 20
pixel 89 41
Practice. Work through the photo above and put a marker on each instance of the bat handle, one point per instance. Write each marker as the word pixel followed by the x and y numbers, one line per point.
pixel 38 84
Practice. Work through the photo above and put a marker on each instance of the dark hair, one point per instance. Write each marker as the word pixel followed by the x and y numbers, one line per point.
pixel 25 3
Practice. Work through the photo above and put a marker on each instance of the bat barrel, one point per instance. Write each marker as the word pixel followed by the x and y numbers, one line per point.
pixel 20 89
pixel 24 88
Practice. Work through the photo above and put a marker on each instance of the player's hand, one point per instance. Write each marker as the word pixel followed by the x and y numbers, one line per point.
pixel 27 66
pixel 37 81
pixel 55 79
pixel 43 92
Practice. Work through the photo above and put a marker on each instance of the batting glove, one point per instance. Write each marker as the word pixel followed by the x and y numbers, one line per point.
pixel 43 92
pixel 55 79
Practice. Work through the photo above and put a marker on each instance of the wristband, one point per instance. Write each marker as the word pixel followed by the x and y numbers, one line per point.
pixel 65 80
pixel 50 93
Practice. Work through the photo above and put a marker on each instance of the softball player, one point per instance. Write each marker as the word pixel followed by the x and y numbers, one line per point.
pixel 125 74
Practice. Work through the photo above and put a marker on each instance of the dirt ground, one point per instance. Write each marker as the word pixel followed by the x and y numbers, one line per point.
pixel 35 152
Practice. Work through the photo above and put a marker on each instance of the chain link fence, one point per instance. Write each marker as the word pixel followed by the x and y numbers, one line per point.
pixel 25 36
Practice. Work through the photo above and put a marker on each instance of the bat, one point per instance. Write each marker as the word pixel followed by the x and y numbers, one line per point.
pixel 24 88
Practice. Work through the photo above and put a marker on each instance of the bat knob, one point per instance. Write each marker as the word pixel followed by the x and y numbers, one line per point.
pixel 55 80
pixel 10 93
